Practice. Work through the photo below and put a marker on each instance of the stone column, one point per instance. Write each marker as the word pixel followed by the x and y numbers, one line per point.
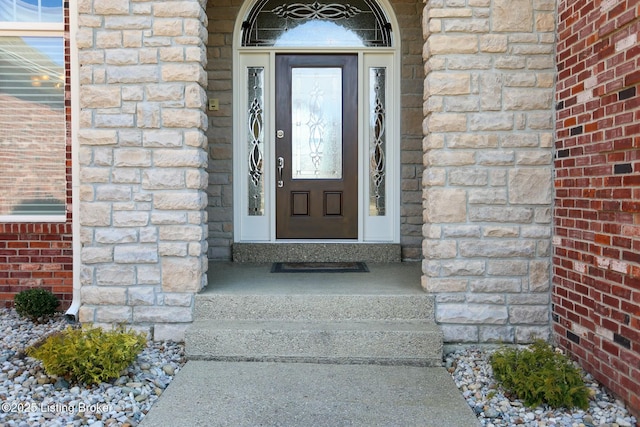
pixel 488 103
pixel 142 162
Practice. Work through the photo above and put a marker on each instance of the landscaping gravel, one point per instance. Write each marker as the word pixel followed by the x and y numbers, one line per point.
pixel 30 397
pixel 472 373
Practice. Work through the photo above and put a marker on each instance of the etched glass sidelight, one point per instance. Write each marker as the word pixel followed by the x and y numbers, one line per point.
pixel 255 138
pixel 316 108
pixel 377 144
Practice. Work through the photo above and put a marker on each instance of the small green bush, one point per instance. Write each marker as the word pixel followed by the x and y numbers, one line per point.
pixel 35 303
pixel 539 374
pixel 89 355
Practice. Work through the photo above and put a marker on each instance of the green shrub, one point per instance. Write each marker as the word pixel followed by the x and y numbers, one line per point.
pixel 89 355
pixel 35 303
pixel 539 374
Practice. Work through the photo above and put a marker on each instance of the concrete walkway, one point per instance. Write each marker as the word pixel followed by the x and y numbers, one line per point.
pixel 250 394
pixel 278 393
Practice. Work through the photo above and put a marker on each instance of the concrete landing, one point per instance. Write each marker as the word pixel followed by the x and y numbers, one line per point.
pixel 251 394
pixel 401 278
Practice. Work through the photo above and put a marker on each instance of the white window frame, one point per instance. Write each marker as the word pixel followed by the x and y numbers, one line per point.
pixel 34 29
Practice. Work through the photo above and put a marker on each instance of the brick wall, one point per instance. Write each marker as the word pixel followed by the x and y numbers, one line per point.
pixel 40 254
pixel 36 256
pixel 596 296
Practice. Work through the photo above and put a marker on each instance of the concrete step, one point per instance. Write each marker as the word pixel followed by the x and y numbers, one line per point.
pixel 409 342
pixel 299 307
pixel 381 317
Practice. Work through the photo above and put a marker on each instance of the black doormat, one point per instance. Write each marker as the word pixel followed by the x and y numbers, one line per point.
pixel 319 267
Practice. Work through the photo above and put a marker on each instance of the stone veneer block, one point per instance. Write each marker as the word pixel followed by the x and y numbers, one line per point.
pixel 472 313
pixel 104 295
pixel 100 97
pixel 531 186
pixel 181 274
pixel 445 205
pixel 170 331
pixel 512 15
pixel 452 44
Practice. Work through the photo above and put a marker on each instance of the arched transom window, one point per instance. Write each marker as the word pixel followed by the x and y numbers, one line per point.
pixel 357 23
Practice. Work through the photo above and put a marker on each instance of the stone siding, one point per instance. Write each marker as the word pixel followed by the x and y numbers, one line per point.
pixel 596 315
pixel 409 16
pixel 488 126
pixel 143 162
pixel 222 17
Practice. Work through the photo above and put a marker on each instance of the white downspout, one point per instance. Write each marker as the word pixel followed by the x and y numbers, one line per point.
pixel 73 310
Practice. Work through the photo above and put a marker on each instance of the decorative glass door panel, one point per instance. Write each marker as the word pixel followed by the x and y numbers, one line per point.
pixel 316 146
pixel 317 123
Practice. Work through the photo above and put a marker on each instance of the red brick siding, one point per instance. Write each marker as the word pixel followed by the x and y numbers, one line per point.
pixel 36 255
pixel 40 254
pixel 596 276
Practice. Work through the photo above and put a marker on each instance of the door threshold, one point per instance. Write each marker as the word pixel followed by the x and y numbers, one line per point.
pixel 316 252
pixel 312 241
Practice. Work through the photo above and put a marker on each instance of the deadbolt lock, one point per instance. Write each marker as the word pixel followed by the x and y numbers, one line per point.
pixel 280 134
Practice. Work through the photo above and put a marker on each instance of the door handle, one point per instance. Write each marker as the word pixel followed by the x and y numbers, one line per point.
pixel 280 170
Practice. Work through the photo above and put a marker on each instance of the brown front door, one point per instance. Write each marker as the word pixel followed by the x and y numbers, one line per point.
pixel 316 146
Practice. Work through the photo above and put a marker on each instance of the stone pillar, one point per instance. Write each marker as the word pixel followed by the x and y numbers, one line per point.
pixel 142 162
pixel 488 104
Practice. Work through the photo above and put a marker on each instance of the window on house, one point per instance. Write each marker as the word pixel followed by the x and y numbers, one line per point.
pixel 316 23
pixel 32 110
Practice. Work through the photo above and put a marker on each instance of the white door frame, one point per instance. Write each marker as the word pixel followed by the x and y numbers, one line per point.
pixel 262 228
